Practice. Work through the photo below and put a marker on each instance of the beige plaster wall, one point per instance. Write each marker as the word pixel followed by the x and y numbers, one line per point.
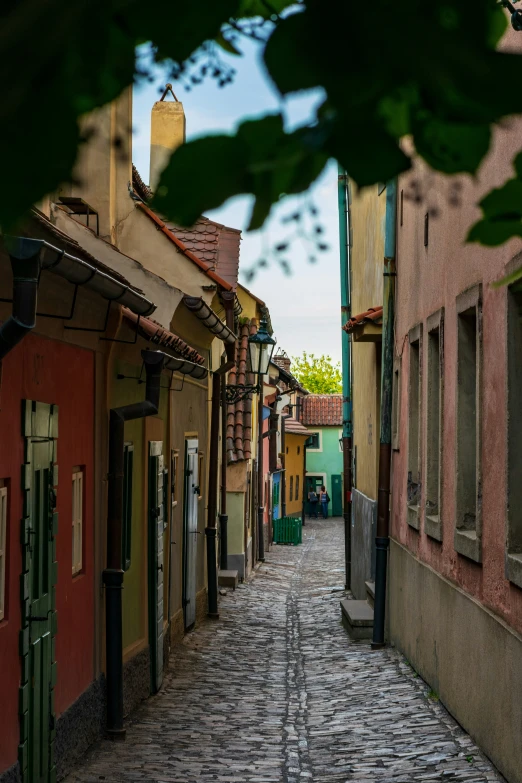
pixel 368 209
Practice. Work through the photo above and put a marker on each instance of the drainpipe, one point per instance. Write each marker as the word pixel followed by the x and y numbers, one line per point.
pixel 303 490
pixel 113 574
pixel 260 478
pixel 283 465
pixel 25 264
pixel 211 530
pixel 228 302
pixel 382 540
pixel 344 257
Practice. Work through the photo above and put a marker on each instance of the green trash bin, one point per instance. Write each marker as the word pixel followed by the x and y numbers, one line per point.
pixel 288 530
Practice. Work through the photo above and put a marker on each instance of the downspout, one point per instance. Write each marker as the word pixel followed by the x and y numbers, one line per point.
pixel 211 530
pixel 382 540
pixel 283 465
pixel 228 302
pixel 25 263
pixel 113 574
pixel 344 257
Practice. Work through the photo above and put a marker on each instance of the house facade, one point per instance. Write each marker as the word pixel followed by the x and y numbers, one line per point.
pixel 322 415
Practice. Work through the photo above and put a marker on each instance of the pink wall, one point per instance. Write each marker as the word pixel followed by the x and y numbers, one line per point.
pixel 430 278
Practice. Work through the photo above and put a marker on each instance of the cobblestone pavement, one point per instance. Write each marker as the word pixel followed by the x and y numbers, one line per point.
pixel 276 692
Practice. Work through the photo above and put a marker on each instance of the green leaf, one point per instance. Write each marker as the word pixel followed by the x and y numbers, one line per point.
pixel 509 279
pixel 452 147
pixel 227 45
pixel 263 8
pixel 517 165
pixel 504 202
pixel 494 232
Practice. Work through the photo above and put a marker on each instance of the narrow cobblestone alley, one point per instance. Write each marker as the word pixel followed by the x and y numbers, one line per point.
pixel 276 691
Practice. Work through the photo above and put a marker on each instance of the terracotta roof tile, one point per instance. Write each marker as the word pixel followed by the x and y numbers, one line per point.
pixel 294 427
pixel 323 410
pixel 374 314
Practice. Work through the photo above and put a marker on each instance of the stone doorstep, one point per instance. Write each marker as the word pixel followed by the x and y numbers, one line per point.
pixel 370 593
pixel 228 579
pixel 357 617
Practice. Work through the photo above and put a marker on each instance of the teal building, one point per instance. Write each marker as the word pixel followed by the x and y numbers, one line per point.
pixel 322 415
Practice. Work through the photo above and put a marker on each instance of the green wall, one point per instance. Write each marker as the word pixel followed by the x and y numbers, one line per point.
pixel 330 459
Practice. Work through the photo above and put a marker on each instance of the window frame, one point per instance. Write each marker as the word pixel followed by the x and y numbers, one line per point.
pixel 413 509
pixel 126 539
pixel 468 541
pixel 78 508
pixel 434 325
pixel 396 403
pixel 310 449
pixel 291 489
pixel 297 487
pixel 4 505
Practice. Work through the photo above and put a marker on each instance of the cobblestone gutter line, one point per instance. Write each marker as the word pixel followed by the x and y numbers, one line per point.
pixel 276 692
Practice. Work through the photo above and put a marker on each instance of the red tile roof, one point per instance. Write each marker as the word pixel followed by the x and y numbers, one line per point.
pixel 374 314
pixel 323 410
pixel 214 243
pixel 239 414
pixel 154 332
pixel 294 427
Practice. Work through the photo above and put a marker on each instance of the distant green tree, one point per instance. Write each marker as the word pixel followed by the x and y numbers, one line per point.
pixel 318 374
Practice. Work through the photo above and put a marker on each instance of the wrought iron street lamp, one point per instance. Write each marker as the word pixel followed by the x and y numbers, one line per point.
pixel 260 349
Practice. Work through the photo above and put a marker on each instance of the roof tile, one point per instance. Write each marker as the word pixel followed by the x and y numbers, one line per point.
pixel 323 410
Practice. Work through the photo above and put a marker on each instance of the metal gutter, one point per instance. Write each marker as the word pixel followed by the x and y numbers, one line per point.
pixel 79 272
pixel 26 273
pixel 382 539
pixel 211 319
pixel 344 259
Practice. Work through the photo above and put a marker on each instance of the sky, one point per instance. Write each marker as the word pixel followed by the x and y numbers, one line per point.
pixel 304 305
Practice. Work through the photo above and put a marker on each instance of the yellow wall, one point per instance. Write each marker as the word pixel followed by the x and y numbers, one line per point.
pixel 294 465
pixel 367 252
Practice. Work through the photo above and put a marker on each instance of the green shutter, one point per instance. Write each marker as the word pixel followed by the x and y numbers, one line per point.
pixel 128 465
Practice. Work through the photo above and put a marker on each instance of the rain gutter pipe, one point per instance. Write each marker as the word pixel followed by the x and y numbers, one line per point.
pixel 344 258
pixel 382 540
pixel 25 263
pixel 113 574
pixel 229 303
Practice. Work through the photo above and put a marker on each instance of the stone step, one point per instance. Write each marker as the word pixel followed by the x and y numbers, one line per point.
pixel 228 579
pixel 370 593
pixel 357 618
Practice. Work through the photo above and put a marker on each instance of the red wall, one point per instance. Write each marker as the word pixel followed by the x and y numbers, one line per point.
pixel 52 372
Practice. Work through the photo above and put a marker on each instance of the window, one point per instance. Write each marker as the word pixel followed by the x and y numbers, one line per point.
pixel 297 487
pixel 514 387
pixel 396 404
pixel 287 449
pixel 468 528
pixel 3 546
pixel 174 455
pixel 201 475
pixel 77 520
pixel 291 488
pixel 315 441
pixel 128 464
pixel 299 449
pixel 433 524
pixel 414 430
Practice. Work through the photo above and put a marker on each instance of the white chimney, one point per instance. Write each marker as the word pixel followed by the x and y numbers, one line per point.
pixel 167 133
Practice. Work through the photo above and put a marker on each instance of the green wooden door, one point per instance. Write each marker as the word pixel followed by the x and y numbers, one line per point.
pixel 337 495
pixel 38 594
pixel 155 537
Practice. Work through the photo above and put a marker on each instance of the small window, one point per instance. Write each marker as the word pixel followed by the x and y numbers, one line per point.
pixel 3 546
pixel 315 442
pixel 299 449
pixel 174 455
pixel 201 475
pixel 469 493
pixel 77 520
pixel 291 488
pixel 287 449
pixel 433 524
pixel 414 430
pixel 297 487
pixel 396 404
pixel 128 465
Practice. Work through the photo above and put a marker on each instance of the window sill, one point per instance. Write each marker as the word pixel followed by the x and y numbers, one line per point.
pixel 413 517
pixel 514 568
pixel 468 544
pixel 433 527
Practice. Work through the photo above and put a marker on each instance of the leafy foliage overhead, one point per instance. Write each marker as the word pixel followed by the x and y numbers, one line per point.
pixel 318 374
pixel 429 70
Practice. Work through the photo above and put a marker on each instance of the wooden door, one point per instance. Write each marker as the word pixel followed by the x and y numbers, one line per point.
pixel 190 544
pixel 40 426
pixel 337 495
pixel 156 529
